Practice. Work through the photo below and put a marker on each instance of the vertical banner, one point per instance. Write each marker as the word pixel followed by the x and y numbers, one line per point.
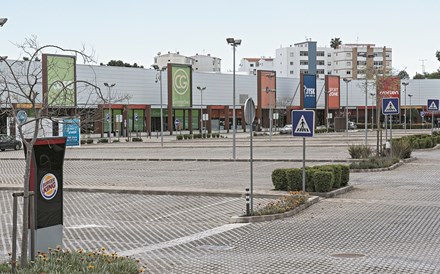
pixel 332 86
pixel 387 87
pixel 266 89
pixel 59 76
pixel 308 90
pixel 180 85
pixel 71 130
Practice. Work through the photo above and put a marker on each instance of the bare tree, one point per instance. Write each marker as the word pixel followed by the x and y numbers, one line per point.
pixel 21 84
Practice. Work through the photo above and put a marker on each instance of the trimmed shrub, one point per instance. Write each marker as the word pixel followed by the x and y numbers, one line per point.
pixel 294 179
pixel 115 141
pixel 83 142
pixel 336 170
pixel 279 179
pixel 136 139
pixel 374 162
pixel 310 179
pixel 179 137
pixel 89 141
pixel 103 140
pixel 345 175
pixel 323 181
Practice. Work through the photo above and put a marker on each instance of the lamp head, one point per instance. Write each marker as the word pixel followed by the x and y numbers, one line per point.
pixel 3 21
pixel 230 40
pixel 156 67
pixel 346 80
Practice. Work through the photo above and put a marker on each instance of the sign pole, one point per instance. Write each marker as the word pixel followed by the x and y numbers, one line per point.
pixel 391 136
pixel 252 170
pixel 432 121
pixel 386 128
pixel 304 165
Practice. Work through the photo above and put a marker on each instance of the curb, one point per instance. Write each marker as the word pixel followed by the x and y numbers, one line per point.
pixel 266 218
pixel 396 165
pixel 156 192
pixel 193 160
pixel 333 193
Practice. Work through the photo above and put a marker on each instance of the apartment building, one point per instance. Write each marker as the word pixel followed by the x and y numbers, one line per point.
pixel 251 65
pixel 206 63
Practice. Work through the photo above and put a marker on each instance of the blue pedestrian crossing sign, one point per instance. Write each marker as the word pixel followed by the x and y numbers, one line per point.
pixel 390 106
pixel 433 105
pixel 303 123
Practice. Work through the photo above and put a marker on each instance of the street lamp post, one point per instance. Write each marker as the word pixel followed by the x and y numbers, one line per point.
pixel 346 80
pixel 372 109
pixel 156 67
pixel 234 43
pixel 410 109
pixel 268 91
pixel 201 107
pixel 366 97
pixel 404 91
pixel 109 86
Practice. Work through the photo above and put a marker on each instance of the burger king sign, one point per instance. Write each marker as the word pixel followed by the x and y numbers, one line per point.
pixel 49 186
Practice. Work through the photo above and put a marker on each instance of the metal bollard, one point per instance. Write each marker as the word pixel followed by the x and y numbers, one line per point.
pixel 248 213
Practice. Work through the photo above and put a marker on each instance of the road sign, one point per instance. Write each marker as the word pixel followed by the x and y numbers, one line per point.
pixel 136 116
pixel 21 116
pixel 390 106
pixel 303 123
pixel 433 104
pixel 107 117
pixel 422 114
pixel 249 111
pixel 177 122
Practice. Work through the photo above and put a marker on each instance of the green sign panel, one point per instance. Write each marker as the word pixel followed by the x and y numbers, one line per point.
pixel 61 81
pixel 181 86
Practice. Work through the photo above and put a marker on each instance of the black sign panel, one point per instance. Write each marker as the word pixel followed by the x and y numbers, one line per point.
pixel 47 181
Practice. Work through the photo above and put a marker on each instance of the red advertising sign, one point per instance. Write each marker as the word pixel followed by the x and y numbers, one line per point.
pixel 332 86
pixel 388 87
pixel 267 86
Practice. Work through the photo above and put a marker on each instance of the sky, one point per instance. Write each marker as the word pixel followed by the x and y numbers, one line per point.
pixel 136 30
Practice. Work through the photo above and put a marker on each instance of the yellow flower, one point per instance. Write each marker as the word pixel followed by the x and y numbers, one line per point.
pixel 103 249
pixel 90 267
pixel 141 270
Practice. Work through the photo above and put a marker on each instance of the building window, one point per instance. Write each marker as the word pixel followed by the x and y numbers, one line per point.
pixel 348 72
pixel 320 71
pixel 319 53
pixel 329 55
pixel 305 71
pixel 303 53
pixel 291 72
pixel 378 63
pixel 361 63
pixel 329 63
pixel 251 65
pixel 348 63
pixel 291 54
pixel 303 62
pixel 348 54
pixel 321 62
pixel 291 63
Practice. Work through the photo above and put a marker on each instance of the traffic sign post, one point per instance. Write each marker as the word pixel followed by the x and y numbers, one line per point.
pixel 433 105
pixel 390 106
pixel 303 125
pixel 249 117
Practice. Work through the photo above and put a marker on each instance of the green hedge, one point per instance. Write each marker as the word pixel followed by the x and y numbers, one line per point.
pixel 279 178
pixel 323 180
pixel 290 179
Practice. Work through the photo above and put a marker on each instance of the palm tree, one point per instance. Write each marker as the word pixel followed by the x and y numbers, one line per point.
pixel 437 54
pixel 335 43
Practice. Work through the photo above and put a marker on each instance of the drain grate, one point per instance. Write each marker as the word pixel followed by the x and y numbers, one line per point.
pixel 348 255
pixel 216 247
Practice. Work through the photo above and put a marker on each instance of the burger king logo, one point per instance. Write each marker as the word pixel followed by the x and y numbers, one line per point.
pixel 49 186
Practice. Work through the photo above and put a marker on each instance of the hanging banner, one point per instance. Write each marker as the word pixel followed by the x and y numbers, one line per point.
pixel 71 130
pixel 180 85
pixel 332 86
pixel 266 84
pixel 308 90
pixel 59 76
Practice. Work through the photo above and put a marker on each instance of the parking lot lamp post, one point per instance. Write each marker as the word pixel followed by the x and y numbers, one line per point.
pixel 404 91
pixel 346 80
pixel 159 78
pixel 372 110
pixel 410 109
pixel 234 43
pixel 109 86
pixel 201 107
pixel 3 21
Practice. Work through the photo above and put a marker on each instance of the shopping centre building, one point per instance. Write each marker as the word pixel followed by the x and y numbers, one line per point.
pixel 131 100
